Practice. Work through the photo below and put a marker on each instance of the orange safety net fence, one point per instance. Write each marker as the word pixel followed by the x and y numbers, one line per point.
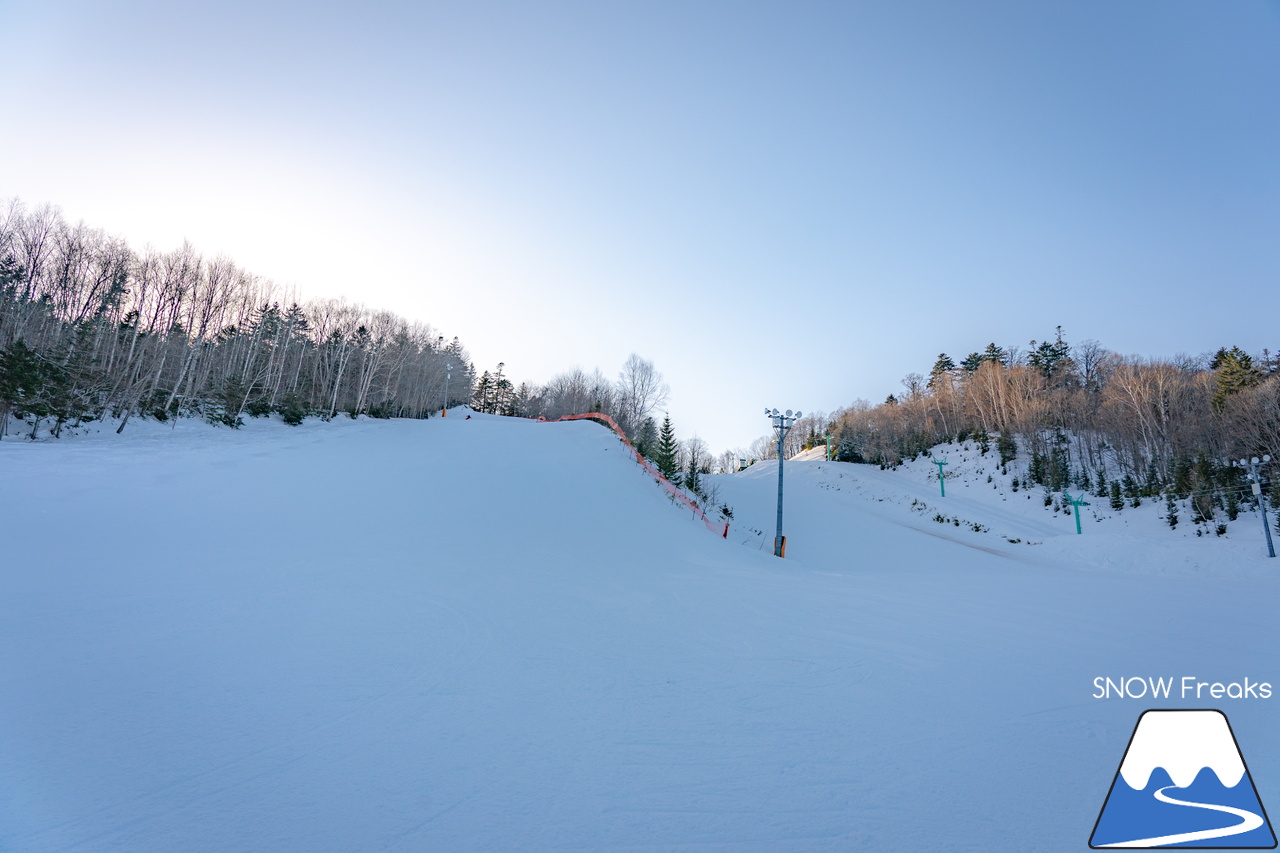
pixel 721 529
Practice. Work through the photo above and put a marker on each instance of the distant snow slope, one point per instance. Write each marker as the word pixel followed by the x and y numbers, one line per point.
pixel 494 634
pixel 981 507
pixel 813 454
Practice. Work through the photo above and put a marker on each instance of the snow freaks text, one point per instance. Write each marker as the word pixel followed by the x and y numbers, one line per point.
pixel 1186 687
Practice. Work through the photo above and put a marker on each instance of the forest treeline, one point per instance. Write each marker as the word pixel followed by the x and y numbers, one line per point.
pixel 90 327
pixel 1075 416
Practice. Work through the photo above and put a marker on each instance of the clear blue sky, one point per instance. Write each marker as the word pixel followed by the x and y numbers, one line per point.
pixel 785 204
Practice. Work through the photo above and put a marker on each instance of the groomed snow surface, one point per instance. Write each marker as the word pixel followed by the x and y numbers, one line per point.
pixel 494 634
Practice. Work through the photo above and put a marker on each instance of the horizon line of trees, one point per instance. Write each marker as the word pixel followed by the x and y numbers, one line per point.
pixel 91 328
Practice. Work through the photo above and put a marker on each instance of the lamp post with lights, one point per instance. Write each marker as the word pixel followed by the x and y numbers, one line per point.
pixel 782 424
pixel 1252 466
pixel 448 372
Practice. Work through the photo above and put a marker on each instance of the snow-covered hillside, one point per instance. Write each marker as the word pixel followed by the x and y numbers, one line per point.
pixel 494 634
pixel 989 505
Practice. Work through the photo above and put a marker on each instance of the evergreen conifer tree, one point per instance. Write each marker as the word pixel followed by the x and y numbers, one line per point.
pixel 292 409
pixel 1007 446
pixel 1152 486
pixel 500 397
pixel 692 480
pixel 646 442
pixel 1182 484
pixel 1059 469
pixel 1129 486
pixel 941 368
pixel 483 392
pixel 983 440
pixel 521 403
pixel 995 353
pixel 1036 469
pixel 1117 499
pixel 668 451
pixel 29 385
pixel 1235 373
pixel 1050 358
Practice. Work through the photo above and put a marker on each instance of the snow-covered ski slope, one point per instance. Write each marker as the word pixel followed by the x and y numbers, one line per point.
pixel 981 508
pixel 494 634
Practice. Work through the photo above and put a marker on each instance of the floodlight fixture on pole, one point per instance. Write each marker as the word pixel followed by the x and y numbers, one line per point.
pixel 782 424
pixel 1076 503
pixel 1251 465
pixel 942 477
pixel 448 371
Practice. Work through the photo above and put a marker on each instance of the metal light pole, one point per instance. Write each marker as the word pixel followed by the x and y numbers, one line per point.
pixel 827 436
pixel 782 424
pixel 1252 465
pixel 448 371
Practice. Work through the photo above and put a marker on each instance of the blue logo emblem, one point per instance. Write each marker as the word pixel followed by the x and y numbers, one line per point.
pixel 1183 783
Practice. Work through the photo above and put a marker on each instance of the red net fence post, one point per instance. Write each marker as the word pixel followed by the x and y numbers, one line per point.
pixel 721 529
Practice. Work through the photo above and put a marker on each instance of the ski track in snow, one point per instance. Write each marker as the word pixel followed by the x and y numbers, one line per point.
pixel 498 634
